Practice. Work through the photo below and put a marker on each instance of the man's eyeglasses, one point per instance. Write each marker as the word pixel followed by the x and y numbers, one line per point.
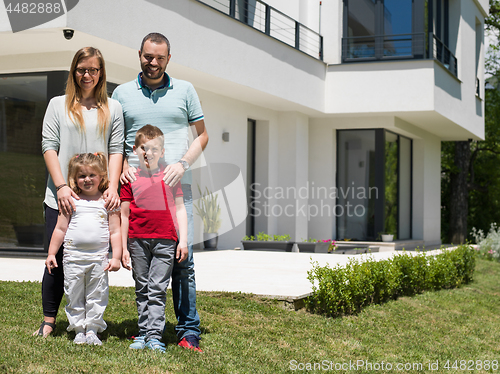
pixel 92 71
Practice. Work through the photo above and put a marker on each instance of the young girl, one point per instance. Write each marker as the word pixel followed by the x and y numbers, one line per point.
pixel 85 234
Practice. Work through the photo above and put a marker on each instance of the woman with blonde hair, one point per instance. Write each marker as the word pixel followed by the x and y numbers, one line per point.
pixel 84 120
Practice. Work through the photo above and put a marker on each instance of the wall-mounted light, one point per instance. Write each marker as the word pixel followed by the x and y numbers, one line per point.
pixel 225 136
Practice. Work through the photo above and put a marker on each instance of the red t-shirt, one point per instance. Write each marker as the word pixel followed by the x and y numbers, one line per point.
pixel 152 206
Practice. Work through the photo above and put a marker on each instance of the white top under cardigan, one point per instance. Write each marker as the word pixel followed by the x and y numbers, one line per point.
pixel 59 133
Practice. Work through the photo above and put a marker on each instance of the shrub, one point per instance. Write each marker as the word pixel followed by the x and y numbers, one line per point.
pixel 263 237
pixel 489 246
pixel 347 289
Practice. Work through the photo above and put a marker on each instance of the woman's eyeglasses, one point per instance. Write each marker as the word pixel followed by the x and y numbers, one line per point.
pixel 92 71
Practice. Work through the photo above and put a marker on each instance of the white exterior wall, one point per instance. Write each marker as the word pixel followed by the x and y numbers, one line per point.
pixel 298 102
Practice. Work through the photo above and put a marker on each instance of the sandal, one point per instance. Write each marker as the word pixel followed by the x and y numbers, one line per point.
pixel 44 323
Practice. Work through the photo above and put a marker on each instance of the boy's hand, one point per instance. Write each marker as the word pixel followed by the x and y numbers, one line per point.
pixel 51 263
pixel 182 252
pixel 113 265
pixel 126 259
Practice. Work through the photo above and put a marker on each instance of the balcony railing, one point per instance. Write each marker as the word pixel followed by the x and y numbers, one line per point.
pixel 383 47
pixel 272 22
pixel 441 53
pixel 401 46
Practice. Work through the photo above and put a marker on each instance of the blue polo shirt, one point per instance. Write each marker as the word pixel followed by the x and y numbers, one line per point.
pixel 172 108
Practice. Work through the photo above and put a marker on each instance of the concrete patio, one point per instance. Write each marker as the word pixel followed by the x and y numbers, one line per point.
pixel 277 274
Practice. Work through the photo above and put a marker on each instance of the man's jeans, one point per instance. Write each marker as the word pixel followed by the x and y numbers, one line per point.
pixel 183 280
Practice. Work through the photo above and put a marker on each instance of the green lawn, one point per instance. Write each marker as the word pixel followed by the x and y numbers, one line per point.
pixel 248 334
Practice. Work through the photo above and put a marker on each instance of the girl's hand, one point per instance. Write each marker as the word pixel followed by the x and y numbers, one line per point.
pixel 112 199
pixel 65 202
pixel 113 265
pixel 126 259
pixel 51 263
pixel 182 252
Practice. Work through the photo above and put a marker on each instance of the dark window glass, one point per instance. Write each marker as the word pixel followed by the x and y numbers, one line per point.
pixel 378 29
pixel 372 198
pixel 23 100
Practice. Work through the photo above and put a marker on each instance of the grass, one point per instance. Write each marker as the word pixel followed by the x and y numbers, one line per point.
pixel 248 334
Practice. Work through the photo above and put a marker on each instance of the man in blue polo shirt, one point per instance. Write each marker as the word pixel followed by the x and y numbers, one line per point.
pixel 172 105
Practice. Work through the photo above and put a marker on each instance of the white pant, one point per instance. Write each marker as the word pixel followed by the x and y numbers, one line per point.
pixel 86 289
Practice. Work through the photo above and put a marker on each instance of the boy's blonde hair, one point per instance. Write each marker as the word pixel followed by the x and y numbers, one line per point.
pixel 148 132
pixel 96 161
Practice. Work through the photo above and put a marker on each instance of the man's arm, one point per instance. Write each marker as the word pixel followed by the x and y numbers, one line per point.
pixel 174 172
pixel 181 252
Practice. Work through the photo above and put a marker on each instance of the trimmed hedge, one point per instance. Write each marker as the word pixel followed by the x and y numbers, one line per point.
pixel 348 289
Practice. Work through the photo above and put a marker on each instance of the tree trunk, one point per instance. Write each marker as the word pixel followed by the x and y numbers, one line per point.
pixel 459 207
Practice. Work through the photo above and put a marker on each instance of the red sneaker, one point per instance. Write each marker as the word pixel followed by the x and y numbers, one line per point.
pixel 190 342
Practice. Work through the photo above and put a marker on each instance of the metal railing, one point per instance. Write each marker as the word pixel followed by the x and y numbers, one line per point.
pixel 379 47
pixel 478 87
pixel 441 53
pixel 263 17
pixel 401 46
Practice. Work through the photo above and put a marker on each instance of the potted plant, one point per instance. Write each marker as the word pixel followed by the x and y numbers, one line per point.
pixel 265 242
pixel 317 246
pixel 209 210
pixel 387 236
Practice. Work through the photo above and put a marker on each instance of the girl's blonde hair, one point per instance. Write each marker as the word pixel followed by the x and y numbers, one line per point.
pixel 96 161
pixel 74 92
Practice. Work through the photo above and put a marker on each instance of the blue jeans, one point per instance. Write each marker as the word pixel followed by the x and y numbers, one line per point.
pixel 183 280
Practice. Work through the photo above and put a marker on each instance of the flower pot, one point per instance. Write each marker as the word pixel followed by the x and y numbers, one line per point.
pixel 316 247
pixel 210 240
pixel 387 238
pixel 267 245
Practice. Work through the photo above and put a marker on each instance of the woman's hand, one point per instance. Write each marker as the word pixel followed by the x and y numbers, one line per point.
pixel 112 199
pixel 65 202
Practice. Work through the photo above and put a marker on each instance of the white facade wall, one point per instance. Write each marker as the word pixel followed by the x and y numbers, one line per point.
pixel 298 102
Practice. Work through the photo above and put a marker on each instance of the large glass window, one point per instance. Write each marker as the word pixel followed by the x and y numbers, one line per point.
pixel 383 29
pixel 23 100
pixel 374 184
pixel 357 191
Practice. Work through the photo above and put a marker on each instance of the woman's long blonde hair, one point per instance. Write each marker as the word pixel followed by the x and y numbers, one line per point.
pixel 74 92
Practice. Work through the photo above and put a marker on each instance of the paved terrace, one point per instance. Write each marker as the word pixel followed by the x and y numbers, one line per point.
pixel 278 274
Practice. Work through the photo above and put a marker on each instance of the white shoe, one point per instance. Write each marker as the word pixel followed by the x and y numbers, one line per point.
pixel 80 338
pixel 92 339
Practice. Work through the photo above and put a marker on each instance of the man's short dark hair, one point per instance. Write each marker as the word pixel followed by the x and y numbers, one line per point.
pixel 157 38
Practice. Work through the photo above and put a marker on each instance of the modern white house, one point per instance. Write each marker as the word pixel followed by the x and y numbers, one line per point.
pixel 325 117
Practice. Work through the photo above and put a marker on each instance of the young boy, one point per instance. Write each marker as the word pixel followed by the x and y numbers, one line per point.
pixel 151 213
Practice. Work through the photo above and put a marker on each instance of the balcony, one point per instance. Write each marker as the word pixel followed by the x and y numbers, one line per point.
pixel 397 47
pixel 270 21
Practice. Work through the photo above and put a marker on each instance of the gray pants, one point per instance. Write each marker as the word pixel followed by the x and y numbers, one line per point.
pixel 152 263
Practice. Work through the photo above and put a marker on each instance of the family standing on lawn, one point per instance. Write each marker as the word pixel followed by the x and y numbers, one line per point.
pixel 142 134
